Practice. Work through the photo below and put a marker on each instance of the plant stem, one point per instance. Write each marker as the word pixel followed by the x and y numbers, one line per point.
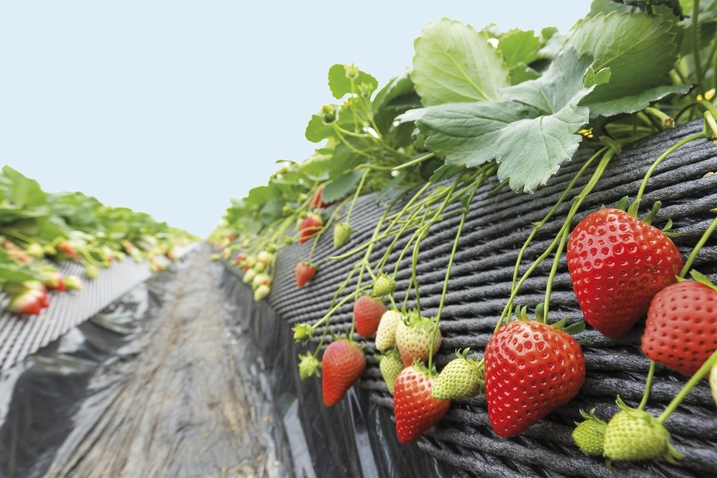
pixel 696 46
pixel 664 155
pixel 698 247
pixel 414 161
pixel 703 370
pixel 356 195
pixel 648 385
pixel 553 271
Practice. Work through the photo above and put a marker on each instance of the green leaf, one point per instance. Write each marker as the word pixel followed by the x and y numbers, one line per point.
pixel 454 63
pixel 640 51
pixel 15 273
pixel 518 46
pixel 532 150
pixel 339 188
pixel 24 191
pixel 593 78
pixel 395 98
pixel 608 6
pixel 317 130
pixel 559 86
pixel 340 83
pixel 522 72
pixel 271 211
pixel 466 133
pixel 634 103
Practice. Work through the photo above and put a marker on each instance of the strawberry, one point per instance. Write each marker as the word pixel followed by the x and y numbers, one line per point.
pixel 367 313
pixel 35 250
pixel 248 276
pixel 259 280
pixel 530 369
pixel 413 338
pixel 390 365
pixel 55 281
pixel 416 409
pixel 67 248
pixel 310 226
pixel 342 232
pixel 261 292
pixel 713 382
pixel 34 287
pixel 617 264
pixel 342 364
pixel 73 282
pixel 25 303
pixel 634 435
pixel 461 378
pixel 589 434
pixel 384 285
pixel 266 258
pixel 239 258
pixel 317 200
pixel 91 271
pixel 386 333
pixel 681 328
pixel 303 273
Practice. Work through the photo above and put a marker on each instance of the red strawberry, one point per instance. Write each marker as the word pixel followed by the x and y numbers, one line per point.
pixel 681 328
pixel 240 257
pixel 617 264
pixel 342 365
pixel 530 369
pixel 310 226
pixel 367 313
pixel 317 201
pixel 67 248
pixel 303 273
pixel 416 409
pixel 55 282
pixel 26 303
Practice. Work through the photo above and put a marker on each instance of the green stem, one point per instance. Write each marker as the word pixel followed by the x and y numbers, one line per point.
pixel 659 160
pixel 448 274
pixel 648 385
pixel 414 161
pixel 553 271
pixel 698 247
pixel 356 195
pixel 703 370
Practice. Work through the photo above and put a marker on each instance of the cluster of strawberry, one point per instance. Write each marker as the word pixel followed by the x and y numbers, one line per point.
pixel 258 271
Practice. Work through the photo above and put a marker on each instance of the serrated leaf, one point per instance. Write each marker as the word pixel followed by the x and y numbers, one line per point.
pixel 466 134
pixel 271 211
pixel 522 72
pixel 593 78
pixel 634 103
pixel 519 46
pixel 15 273
pixel 339 188
pixel 394 99
pixel 317 130
pixel 455 63
pixel 560 85
pixel 340 83
pixel 640 51
pixel 607 6
pixel 532 150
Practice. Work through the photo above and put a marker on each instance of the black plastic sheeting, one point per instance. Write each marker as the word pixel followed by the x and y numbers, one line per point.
pixel 335 439
pixel 160 383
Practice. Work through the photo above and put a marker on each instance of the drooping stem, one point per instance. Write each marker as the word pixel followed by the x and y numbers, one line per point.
pixel 553 271
pixel 648 385
pixel 698 247
pixel 703 370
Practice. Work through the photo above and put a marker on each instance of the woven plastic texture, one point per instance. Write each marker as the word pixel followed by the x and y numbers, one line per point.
pixel 480 284
pixel 22 335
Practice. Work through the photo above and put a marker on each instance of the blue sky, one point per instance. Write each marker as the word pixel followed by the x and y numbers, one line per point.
pixel 173 107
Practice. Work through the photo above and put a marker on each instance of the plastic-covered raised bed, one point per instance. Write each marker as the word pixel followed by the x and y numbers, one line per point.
pixel 357 437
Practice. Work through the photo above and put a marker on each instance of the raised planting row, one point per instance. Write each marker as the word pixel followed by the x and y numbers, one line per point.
pixel 455 255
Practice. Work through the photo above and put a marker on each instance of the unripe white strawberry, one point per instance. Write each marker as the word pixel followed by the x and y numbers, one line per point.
pixel 386 333
pixel 413 338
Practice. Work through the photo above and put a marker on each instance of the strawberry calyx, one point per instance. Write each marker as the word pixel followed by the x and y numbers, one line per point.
pixel 701 278
pixel 309 366
pixel 303 333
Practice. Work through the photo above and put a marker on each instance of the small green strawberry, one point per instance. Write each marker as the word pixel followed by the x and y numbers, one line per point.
pixel 384 285
pixel 342 232
pixel 309 366
pixel 461 378
pixel 303 333
pixel 413 338
pixel 634 435
pixel 261 292
pixel 390 365
pixel 386 333
pixel 249 276
pixel 589 435
pixel 713 383
pixel 91 271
